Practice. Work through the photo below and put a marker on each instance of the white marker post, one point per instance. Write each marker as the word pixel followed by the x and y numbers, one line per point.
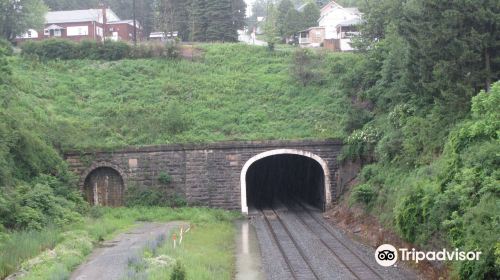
pixel 174 238
pixel 181 233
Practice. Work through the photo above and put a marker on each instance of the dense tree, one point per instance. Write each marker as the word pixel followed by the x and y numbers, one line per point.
pixel 17 16
pixel 172 15
pixel 284 7
pixel 293 22
pixel 198 20
pixel 310 14
pixel 219 20
pixel 271 27
pixel 201 20
pixel 450 41
pixel 422 63
pixel 57 5
pixel 239 9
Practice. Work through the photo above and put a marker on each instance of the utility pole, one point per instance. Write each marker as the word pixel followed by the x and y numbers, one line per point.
pixel 135 25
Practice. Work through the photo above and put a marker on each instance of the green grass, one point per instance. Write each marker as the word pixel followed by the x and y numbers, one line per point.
pixel 206 252
pixel 235 92
pixel 70 245
pixel 21 245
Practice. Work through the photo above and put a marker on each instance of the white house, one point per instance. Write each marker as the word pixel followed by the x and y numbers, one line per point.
pixel 336 20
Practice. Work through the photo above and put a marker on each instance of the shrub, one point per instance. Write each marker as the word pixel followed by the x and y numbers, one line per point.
pixel 175 120
pixel 96 212
pixel 152 49
pixel 137 196
pixel 5 69
pixel 164 178
pixel 51 49
pixel 179 272
pixel 43 201
pixel 413 213
pixel 361 143
pixel 307 67
pixel 177 200
pixel 111 50
pixel 88 49
pixel 363 193
pixel 479 232
pixel 6 47
pixel 172 50
pixel 152 196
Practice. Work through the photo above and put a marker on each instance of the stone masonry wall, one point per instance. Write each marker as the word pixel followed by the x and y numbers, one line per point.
pixel 206 174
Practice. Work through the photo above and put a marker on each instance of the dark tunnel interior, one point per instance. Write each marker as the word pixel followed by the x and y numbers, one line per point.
pixel 281 179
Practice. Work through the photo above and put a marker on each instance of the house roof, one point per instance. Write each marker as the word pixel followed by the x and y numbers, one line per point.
pixel 127 21
pixel 353 10
pixel 54 26
pixel 350 22
pixel 79 16
pixel 311 28
pixel 330 7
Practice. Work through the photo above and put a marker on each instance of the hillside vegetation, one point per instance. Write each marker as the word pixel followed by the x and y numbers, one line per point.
pixel 235 92
pixel 433 137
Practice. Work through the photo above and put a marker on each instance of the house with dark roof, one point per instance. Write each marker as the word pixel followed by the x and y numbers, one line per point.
pixel 90 24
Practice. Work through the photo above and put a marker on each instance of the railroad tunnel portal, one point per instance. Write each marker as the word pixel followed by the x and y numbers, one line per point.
pixel 283 176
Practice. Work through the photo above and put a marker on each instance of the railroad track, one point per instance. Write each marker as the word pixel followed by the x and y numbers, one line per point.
pixel 350 259
pixel 296 260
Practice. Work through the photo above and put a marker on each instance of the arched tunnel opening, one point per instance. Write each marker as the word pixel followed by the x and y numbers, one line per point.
pixel 104 187
pixel 285 179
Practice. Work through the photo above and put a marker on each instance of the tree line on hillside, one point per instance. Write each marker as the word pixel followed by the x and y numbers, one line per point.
pixel 196 20
pixel 417 113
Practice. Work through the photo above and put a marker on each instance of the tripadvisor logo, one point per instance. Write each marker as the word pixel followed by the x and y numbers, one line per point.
pixel 388 255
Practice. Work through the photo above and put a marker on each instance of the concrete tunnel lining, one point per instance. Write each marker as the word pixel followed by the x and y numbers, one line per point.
pixel 248 164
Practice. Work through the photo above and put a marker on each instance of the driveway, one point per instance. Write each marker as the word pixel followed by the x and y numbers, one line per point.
pixel 110 261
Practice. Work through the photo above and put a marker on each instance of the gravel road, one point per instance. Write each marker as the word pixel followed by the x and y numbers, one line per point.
pixel 109 262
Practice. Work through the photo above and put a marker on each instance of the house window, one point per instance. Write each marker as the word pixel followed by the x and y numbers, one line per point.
pixel 111 29
pixel 57 32
pixel 29 33
pixel 46 32
pixel 77 31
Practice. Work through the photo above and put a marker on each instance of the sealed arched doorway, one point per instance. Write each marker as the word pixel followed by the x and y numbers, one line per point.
pixel 104 186
pixel 285 174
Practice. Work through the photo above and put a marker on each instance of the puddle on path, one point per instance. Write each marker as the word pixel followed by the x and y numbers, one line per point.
pixel 248 258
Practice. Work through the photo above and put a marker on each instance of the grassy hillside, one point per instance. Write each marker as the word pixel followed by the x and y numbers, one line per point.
pixel 235 92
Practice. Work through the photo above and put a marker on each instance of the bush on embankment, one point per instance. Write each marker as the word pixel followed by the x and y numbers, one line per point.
pixel 107 50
